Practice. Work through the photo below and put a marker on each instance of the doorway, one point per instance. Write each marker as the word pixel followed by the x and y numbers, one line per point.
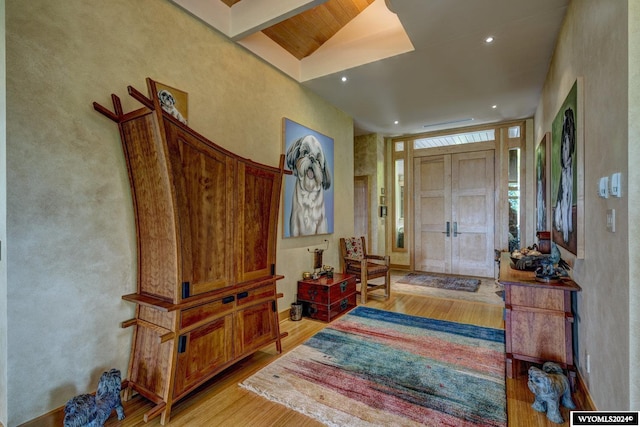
pixel 454 209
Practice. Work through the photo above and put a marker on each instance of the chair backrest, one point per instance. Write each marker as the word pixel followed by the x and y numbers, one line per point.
pixel 353 247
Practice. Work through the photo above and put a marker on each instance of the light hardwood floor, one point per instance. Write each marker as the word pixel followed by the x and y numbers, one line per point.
pixel 221 402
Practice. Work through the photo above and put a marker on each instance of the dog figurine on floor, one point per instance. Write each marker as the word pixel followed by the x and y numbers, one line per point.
pixel 551 388
pixel 87 410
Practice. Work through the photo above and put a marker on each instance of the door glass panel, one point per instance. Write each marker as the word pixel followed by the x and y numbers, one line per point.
pixel 398 216
pixel 514 199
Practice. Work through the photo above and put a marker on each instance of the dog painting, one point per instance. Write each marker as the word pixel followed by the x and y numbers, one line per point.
pixel 564 174
pixel 309 189
pixel 173 101
pixel 541 184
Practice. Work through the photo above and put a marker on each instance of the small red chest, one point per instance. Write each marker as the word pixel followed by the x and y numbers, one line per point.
pixel 327 298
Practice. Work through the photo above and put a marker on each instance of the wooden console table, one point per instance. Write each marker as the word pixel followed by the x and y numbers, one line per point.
pixel 327 298
pixel 539 319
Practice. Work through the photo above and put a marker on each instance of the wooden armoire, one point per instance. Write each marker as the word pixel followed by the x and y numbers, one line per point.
pixel 206 223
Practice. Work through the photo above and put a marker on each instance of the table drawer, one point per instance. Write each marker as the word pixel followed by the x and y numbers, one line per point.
pixel 328 312
pixel 323 294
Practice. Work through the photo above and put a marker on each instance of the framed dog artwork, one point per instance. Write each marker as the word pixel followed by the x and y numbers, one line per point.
pixel 308 191
pixel 542 182
pixel 172 100
pixel 567 173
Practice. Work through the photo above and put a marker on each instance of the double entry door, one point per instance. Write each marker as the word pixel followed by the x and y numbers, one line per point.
pixel 454 213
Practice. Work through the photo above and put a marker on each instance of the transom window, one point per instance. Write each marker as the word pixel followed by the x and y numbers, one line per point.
pixel 455 139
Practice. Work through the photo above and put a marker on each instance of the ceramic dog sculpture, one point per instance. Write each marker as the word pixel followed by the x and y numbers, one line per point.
pixel 551 388
pixel 87 410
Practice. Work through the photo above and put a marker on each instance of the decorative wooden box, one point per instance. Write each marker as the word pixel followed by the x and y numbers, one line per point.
pixel 327 298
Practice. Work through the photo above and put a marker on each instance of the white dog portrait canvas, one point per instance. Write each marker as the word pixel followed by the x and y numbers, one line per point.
pixel 308 191
pixel 567 186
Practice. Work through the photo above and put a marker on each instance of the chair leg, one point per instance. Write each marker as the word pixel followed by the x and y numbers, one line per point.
pixel 387 281
pixel 363 289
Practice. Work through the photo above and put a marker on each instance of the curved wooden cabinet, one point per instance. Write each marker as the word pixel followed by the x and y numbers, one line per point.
pixel 206 222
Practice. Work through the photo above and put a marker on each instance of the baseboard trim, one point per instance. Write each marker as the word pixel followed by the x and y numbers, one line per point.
pixel 586 402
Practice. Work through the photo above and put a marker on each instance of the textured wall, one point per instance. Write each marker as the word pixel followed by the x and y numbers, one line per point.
pixel 593 43
pixel 369 155
pixel 70 218
pixel 634 201
pixel 3 228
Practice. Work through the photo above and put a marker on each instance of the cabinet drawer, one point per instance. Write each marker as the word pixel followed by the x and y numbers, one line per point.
pixel 267 292
pixel 207 311
pixel 545 298
pixel 324 294
pixel 328 312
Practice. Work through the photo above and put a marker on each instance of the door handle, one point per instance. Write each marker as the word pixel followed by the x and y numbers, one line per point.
pixel 448 230
pixel 455 229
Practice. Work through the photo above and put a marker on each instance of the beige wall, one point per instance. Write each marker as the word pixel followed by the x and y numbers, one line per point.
pixel 70 218
pixel 593 43
pixel 369 161
pixel 634 202
pixel 3 225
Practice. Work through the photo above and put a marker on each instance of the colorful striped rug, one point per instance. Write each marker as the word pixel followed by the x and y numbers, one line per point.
pixel 378 368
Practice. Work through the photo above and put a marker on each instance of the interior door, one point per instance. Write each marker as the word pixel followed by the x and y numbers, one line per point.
pixel 472 213
pixel 454 213
pixel 432 204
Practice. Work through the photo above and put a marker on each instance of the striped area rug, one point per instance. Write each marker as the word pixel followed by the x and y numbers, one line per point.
pixel 378 368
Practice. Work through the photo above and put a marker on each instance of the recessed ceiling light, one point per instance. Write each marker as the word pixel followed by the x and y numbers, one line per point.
pixel 489 39
pixel 396 122
pixel 344 79
pixel 494 106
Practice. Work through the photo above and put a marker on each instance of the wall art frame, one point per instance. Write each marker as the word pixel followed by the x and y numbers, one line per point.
pixel 543 183
pixel 308 192
pixel 567 172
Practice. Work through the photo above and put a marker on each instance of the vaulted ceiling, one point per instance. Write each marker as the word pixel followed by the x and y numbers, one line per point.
pixel 424 64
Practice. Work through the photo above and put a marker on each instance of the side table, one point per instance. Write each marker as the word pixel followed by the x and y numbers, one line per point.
pixel 538 319
pixel 327 298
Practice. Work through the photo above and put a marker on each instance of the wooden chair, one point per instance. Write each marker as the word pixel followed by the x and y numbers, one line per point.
pixel 364 266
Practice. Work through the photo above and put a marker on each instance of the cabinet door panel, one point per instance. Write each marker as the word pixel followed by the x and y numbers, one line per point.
pixel 205 350
pixel 255 327
pixel 204 187
pixel 539 335
pixel 258 201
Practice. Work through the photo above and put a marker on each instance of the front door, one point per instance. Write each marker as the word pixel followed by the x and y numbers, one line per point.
pixel 454 213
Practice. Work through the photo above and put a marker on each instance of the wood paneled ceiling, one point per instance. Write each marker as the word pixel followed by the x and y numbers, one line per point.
pixel 304 33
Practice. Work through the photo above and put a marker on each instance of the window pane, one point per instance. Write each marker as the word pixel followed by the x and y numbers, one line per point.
pixel 398 207
pixel 399 146
pixel 514 199
pixel 455 139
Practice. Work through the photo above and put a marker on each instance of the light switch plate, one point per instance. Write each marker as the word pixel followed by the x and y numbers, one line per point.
pixel 611 220
pixel 616 184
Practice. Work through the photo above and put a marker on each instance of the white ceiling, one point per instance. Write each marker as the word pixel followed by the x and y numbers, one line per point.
pixel 423 63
